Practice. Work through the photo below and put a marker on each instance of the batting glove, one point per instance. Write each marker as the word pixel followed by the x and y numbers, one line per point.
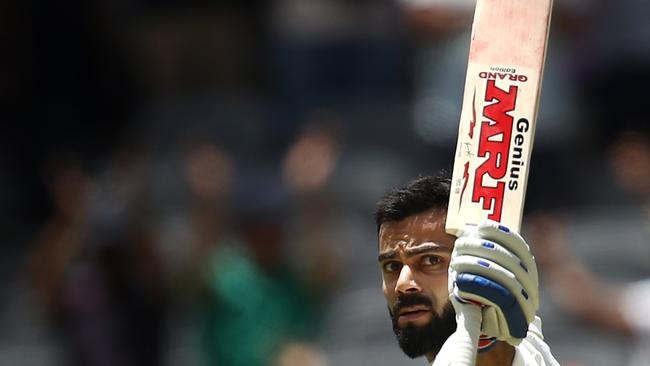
pixel 492 265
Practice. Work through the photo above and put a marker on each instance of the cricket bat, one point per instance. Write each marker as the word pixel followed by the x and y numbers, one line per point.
pixel 500 102
pixel 497 127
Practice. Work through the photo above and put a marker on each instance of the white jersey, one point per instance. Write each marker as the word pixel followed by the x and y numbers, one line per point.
pixel 533 351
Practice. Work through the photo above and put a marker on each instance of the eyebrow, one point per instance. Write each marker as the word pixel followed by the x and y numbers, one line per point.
pixel 411 252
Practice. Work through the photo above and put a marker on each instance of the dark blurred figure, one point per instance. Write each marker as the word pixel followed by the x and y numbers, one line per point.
pixel 209 172
pixel 257 306
pixel 61 236
pixel 315 242
pixel 97 271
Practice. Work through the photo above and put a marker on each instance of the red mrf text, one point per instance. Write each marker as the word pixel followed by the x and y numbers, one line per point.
pixel 494 145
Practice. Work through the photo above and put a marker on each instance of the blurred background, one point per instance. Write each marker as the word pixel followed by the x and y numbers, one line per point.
pixel 193 182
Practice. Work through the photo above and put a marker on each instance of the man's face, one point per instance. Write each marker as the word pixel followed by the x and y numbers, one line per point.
pixel 414 256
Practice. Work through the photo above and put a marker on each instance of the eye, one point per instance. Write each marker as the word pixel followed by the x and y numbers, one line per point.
pixel 431 260
pixel 392 266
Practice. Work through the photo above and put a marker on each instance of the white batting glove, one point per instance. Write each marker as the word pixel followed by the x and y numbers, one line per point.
pixel 492 265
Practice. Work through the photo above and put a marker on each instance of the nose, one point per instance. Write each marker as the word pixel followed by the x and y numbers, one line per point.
pixel 406 282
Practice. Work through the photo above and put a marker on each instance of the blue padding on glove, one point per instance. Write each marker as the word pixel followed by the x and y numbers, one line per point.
pixel 501 296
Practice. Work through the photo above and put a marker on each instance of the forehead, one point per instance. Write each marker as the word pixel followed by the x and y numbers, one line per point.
pixel 425 227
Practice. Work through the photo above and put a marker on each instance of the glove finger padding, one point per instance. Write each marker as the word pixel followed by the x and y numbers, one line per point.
pixel 512 321
pixel 476 247
pixel 510 240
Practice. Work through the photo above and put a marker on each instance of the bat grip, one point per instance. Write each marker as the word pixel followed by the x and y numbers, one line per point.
pixel 462 349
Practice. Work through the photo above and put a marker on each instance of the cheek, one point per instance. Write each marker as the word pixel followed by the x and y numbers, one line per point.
pixel 437 287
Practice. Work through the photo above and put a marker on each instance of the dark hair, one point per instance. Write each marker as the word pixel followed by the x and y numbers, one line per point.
pixel 419 195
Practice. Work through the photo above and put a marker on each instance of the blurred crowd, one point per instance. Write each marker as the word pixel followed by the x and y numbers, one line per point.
pixel 192 182
pixel 111 265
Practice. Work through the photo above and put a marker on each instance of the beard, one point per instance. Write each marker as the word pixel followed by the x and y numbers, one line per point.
pixel 415 340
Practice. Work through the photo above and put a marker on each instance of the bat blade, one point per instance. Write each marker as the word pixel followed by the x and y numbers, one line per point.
pixel 498 117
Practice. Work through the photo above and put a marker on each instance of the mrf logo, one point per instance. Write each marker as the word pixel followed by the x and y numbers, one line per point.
pixel 494 145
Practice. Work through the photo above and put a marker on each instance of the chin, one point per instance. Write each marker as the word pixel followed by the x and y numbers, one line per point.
pixel 416 339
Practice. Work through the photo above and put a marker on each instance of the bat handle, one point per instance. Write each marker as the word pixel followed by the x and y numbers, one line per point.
pixel 462 349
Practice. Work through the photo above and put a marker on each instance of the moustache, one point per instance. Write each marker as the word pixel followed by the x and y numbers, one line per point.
pixel 404 300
